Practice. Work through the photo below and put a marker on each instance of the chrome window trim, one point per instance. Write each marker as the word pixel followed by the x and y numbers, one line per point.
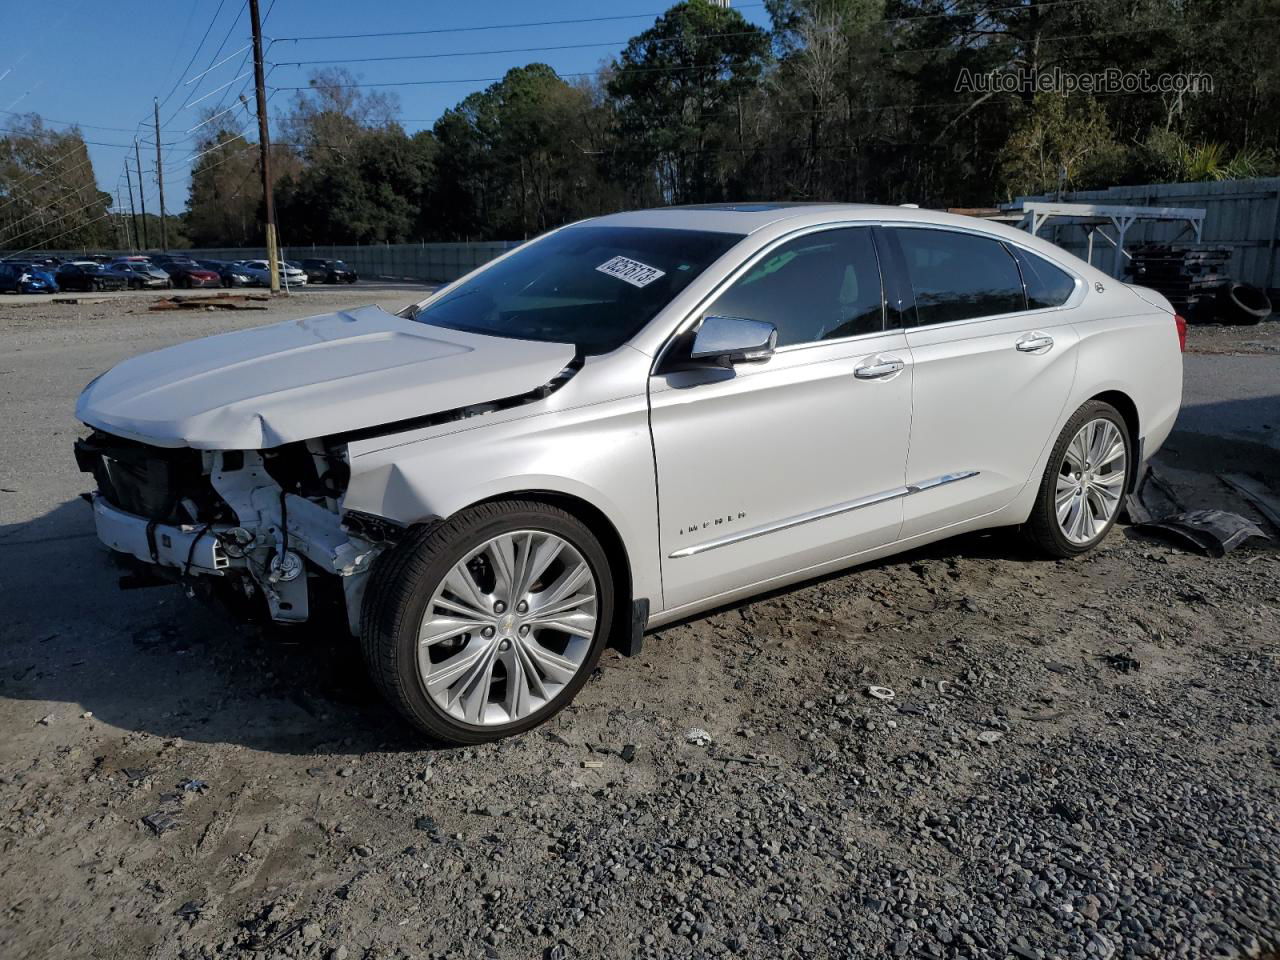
pixel 1071 303
pixel 822 513
pixel 695 314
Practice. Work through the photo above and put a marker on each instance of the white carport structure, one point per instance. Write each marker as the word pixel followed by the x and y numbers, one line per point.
pixel 1095 218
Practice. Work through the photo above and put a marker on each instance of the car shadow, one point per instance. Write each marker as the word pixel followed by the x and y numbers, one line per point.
pixel 154 661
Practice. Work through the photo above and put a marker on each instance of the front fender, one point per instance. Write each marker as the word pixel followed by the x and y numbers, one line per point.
pixel 598 453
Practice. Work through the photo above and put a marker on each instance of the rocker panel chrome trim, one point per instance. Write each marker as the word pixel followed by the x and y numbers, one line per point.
pixel 823 513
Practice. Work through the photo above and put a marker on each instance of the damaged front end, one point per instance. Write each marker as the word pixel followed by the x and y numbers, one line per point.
pixel 263 530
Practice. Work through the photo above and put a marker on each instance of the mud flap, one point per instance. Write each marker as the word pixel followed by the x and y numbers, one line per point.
pixel 630 643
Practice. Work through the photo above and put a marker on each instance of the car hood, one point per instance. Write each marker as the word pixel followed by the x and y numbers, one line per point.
pixel 321 375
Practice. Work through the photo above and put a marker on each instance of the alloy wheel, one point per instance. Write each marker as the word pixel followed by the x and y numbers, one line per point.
pixel 508 628
pixel 1090 480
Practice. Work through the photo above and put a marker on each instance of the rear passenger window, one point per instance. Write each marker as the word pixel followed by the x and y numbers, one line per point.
pixel 822 286
pixel 1046 285
pixel 959 276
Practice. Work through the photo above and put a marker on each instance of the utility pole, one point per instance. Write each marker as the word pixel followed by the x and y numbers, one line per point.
pixel 133 211
pixel 142 197
pixel 264 146
pixel 122 224
pixel 164 228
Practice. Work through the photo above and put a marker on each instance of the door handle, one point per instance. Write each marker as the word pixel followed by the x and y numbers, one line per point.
pixel 878 368
pixel 1036 342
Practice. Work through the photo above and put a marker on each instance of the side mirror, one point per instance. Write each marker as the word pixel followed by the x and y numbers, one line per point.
pixel 724 341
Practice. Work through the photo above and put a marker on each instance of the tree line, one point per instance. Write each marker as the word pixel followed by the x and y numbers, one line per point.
pixel 852 100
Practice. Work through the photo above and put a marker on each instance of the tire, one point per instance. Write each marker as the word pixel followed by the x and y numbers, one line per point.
pixel 407 584
pixel 1044 528
pixel 1242 305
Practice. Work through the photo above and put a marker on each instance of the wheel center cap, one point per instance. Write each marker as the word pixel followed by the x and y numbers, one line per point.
pixel 507 624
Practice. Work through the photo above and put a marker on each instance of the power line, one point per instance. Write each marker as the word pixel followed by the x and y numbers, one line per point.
pixel 482 53
pixel 68 123
pixel 885 53
pixel 199 79
pixel 473 29
pixel 194 54
pixel 62 216
pixel 13 197
pixel 48 240
pixel 239 94
pixel 96 143
pixel 48 205
pixel 1010 8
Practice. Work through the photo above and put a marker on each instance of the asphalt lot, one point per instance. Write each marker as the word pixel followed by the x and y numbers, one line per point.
pixel 1124 799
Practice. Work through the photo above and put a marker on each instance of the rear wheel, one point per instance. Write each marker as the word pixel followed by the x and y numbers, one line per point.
pixel 1084 482
pixel 489 623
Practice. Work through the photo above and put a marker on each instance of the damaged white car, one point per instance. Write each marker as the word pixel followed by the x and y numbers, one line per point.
pixel 623 423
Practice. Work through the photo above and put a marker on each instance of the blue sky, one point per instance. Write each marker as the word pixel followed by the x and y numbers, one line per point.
pixel 102 65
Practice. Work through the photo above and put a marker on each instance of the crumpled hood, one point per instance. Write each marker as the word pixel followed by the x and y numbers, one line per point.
pixel 289 381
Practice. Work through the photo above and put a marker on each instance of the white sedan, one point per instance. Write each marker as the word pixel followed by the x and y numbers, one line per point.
pixel 260 273
pixel 626 422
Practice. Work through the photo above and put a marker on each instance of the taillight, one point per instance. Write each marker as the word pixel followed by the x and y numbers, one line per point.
pixel 1181 324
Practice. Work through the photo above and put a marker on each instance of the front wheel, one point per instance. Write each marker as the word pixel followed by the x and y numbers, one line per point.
pixel 488 623
pixel 1084 482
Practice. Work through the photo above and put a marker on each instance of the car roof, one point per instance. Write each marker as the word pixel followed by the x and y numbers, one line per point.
pixel 748 218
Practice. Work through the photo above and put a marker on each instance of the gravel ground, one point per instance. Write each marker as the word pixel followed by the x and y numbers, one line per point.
pixel 1081 758
pixel 1213 338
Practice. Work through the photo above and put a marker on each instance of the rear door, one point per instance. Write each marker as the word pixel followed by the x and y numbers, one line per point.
pixel 775 467
pixel 993 369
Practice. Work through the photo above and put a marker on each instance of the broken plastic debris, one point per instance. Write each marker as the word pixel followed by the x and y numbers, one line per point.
pixel 1124 662
pixel 161 822
pixel 881 693
pixel 1213 532
pixel 698 737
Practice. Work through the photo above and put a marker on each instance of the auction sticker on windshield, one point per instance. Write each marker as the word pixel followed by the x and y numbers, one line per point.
pixel 632 271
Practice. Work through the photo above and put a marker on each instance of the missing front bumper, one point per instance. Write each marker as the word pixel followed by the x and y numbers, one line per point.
pixel 188 547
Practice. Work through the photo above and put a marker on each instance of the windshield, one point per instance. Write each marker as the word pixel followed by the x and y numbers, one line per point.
pixel 594 287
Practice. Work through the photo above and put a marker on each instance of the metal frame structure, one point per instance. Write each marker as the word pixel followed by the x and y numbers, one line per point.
pixel 1094 217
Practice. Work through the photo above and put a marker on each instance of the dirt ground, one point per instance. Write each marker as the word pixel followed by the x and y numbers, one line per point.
pixel 1081 758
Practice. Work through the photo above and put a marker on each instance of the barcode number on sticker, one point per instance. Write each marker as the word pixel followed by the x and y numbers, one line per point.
pixel 632 271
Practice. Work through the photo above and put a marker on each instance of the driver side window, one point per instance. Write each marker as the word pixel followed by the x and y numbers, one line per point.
pixel 822 286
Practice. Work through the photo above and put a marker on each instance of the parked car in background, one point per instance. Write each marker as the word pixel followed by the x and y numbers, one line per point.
pixel 87 276
pixel 328 271
pixel 258 271
pixel 628 421
pixel 188 273
pixel 229 272
pixel 23 277
pixel 140 274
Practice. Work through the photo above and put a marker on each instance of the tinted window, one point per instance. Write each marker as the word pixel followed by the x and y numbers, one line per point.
pixel 1047 285
pixel 594 287
pixel 821 286
pixel 957 276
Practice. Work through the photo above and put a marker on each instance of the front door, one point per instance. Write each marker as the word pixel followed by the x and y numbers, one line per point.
pixel 775 467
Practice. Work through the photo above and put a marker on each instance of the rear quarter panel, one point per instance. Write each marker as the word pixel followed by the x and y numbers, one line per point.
pixel 1131 346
